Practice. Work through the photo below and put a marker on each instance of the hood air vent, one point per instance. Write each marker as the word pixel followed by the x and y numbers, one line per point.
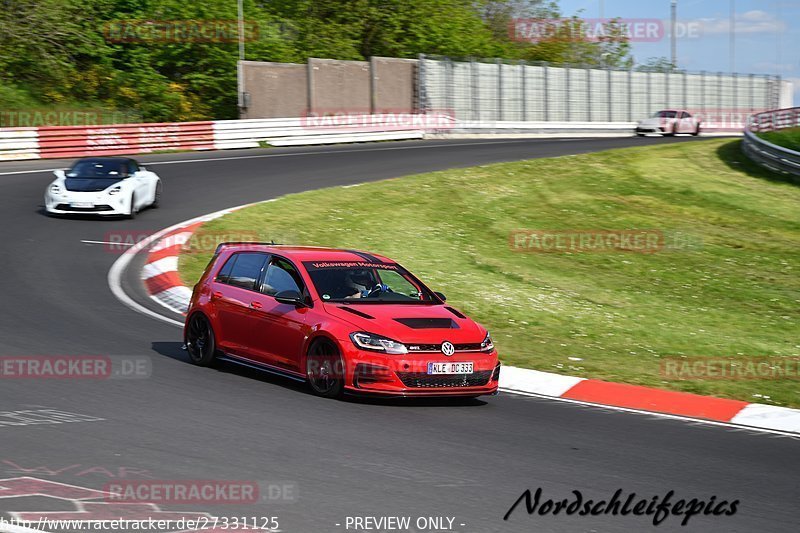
pixel 428 323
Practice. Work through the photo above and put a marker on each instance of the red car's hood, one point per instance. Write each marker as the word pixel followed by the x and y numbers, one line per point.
pixel 409 323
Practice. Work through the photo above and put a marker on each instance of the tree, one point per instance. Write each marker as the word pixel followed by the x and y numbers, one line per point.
pixel 657 64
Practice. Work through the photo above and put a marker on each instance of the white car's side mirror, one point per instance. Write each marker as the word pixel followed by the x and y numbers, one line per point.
pixel 59 173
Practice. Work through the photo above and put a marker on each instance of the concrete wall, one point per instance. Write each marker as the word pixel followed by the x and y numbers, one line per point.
pixel 339 86
pixel 275 89
pixel 395 84
pixel 284 90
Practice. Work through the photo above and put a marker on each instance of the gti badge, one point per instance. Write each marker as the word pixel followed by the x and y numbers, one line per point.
pixel 448 349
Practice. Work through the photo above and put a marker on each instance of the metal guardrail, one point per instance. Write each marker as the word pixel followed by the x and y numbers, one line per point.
pixel 72 141
pixel 769 155
pixel 79 141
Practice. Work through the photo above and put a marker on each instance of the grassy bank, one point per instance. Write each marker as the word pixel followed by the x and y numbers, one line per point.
pixel 788 138
pixel 724 285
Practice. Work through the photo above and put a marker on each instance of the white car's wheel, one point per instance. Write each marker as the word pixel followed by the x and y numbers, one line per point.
pixel 157 195
pixel 132 213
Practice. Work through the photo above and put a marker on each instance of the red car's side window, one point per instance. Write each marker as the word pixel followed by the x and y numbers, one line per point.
pixel 225 272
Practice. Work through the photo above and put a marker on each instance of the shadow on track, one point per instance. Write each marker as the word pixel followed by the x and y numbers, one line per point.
pixel 173 350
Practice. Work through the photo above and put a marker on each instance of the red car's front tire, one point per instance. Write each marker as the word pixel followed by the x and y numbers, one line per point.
pixel 325 369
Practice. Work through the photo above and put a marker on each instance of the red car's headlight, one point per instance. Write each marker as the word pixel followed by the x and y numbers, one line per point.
pixel 376 343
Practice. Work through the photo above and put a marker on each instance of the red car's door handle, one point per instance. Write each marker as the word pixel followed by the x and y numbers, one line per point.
pixel 256 305
pixel 216 294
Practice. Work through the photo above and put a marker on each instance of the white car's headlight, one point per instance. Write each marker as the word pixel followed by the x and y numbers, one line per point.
pixel 115 190
pixel 487 345
pixel 376 343
pixel 55 189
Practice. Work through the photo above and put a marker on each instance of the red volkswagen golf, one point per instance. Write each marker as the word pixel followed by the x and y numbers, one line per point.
pixel 342 320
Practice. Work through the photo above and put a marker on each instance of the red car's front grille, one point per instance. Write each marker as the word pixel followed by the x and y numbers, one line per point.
pixel 421 380
pixel 469 347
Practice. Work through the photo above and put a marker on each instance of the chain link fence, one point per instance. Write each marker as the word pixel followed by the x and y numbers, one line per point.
pixel 518 91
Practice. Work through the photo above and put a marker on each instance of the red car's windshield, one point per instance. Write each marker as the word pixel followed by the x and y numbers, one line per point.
pixel 365 282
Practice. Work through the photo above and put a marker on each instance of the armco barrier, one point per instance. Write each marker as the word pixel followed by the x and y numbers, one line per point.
pixel 19 143
pixel 68 141
pixel 71 141
pixel 767 154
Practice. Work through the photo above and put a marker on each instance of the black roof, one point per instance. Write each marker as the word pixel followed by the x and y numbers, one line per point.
pixel 106 159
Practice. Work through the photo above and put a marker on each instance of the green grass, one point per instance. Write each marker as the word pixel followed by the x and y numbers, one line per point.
pixel 788 138
pixel 734 291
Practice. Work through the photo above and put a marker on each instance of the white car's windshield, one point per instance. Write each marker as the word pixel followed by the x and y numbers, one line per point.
pixel 98 169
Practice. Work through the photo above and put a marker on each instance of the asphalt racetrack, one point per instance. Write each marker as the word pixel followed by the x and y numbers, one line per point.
pixel 469 461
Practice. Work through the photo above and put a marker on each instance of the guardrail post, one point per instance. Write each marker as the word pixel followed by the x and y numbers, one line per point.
pixel 566 93
pixel 373 86
pixel 545 75
pixel 421 90
pixel 588 73
pixel 685 90
pixel 310 84
pixel 450 86
pixel 474 88
pixel 499 89
pixel 523 92
pixel 630 94
pixel 610 94
pixel 703 92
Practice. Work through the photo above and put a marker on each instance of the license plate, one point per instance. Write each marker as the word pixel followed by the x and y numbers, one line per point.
pixel 450 368
pixel 81 204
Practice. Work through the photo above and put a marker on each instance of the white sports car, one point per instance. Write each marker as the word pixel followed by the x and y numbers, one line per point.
pixel 669 122
pixel 103 186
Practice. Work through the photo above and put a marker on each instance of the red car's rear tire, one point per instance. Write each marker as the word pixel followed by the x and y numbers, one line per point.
pixel 201 343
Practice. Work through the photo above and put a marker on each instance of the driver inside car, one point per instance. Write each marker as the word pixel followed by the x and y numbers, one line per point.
pixel 361 284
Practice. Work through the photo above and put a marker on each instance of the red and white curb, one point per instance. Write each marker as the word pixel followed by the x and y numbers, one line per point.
pixel 161 279
pixel 160 271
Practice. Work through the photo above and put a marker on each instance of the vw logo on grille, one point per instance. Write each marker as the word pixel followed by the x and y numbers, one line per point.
pixel 448 349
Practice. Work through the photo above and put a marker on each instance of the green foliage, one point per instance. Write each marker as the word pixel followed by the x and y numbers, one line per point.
pixel 62 53
pixel 657 64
